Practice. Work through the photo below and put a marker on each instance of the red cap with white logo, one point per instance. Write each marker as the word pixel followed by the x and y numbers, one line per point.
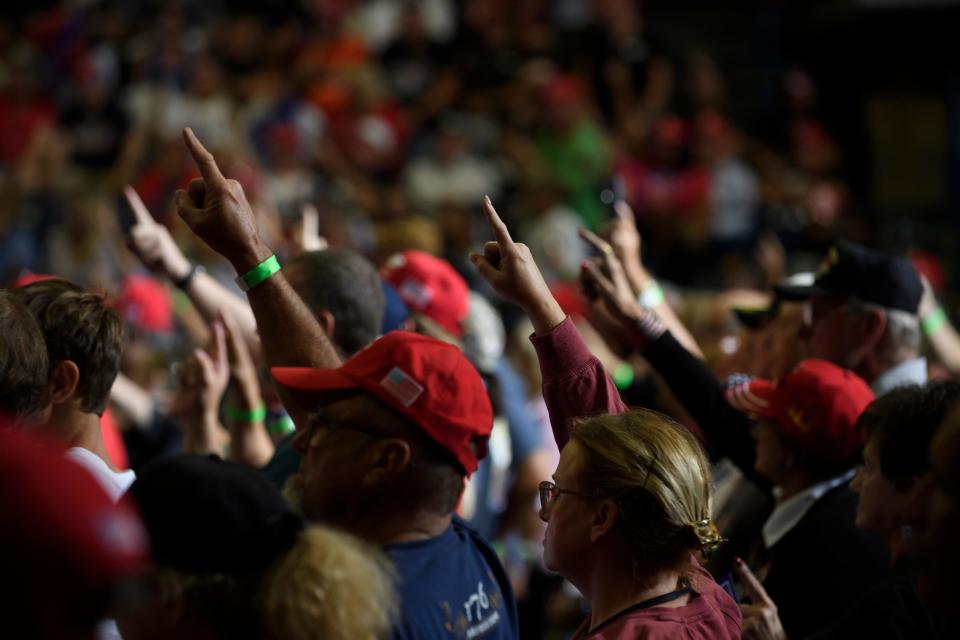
pixel 429 381
pixel 430 286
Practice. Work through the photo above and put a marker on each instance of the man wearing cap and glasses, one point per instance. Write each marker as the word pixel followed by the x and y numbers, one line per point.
pixel 863 315
pixel 387 436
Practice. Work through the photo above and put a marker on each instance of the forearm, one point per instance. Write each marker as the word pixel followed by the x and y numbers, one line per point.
pixel 250 443
pixel 641 281
pixel 211 298
pixel 132 400
pixel 575 384
pixel 204 435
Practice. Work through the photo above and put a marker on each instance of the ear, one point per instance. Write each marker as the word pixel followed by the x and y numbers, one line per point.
pixel 604 519
pixel 873 327
pixel 64 378
pixel 917 499
pixel 390 457
pixel 327 322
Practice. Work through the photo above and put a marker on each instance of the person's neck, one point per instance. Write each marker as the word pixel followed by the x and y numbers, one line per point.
pixel 872 366
pixel 613 588
pixel 396 528
pixel 791 484
pixel 82 430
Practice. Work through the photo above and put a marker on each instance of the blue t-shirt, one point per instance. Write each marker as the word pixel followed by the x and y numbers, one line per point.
pixel 452 587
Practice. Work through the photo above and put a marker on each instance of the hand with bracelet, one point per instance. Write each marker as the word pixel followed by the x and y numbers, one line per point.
pixel 153 244
pixel 246 415
pixel 217 210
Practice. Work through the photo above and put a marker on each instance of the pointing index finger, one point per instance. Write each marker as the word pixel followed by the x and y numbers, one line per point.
pixel 500 231
pixel 204 159
pixel 754 589
pixel 140 211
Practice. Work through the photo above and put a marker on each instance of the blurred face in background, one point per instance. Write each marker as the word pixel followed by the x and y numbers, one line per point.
pixel 832 332
pixel 772 453
pixel 880 503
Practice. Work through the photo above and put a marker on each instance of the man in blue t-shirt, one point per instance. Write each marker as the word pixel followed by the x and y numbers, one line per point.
pixel 387 437
pixel 392 435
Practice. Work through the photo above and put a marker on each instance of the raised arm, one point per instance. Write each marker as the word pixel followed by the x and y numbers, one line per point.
pixel 625 242
pixel 156 248
pixel 217 210
pixel 693 383
pixel 574 382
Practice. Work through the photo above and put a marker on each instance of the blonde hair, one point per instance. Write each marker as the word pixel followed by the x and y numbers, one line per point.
pixel 330 585
pixel 660 478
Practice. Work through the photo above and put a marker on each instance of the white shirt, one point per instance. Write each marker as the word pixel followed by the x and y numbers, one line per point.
pixel 113 482
pixel 787 514
pixel 909 372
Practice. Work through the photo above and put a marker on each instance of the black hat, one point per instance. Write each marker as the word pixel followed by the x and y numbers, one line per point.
pixel 206 515
pixel 756 317
pixel 854 271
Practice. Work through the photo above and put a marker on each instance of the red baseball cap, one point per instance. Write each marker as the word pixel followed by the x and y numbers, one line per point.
pixel 430 286
pixel 429 381
pixel 146 303
pixel 816 406
pixel 62 539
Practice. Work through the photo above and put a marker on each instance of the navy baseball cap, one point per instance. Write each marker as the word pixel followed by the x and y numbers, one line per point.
pixel 854 271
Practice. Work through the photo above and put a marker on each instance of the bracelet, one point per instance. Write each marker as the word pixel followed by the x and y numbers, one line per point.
pixel 184 282
pixel 258 274
pixel 934 321
pixel 281 426
pixel 651 296
pixel 248 416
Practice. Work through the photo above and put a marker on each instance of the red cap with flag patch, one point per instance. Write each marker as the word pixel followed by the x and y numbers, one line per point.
pixel 430 286
pixel 816 406
pixel 429 381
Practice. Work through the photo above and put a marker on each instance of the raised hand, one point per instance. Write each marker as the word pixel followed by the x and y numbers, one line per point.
pixel 152 243
pixel 309 236
pixel 603 279
pixel 624 239
pixel 511 270
pixel 217 210
pixel 242 368
pixel 201 382
pixel 760 619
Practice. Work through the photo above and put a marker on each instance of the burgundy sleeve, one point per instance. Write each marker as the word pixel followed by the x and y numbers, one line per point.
pixel 574 382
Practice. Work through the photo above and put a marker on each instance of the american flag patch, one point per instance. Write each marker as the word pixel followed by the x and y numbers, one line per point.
pixel 401 386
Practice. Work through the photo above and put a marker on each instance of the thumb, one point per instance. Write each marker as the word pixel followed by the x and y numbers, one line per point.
pixel 186 208
pixel 597 277
pixel 487 270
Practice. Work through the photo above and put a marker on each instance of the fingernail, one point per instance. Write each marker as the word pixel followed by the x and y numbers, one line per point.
pixel 737 560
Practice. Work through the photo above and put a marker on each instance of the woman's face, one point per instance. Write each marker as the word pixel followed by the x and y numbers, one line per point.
pixel 772 454
pixel 566 543
pixel 880 504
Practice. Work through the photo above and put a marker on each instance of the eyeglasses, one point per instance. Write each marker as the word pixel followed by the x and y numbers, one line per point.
pixel 318 421
pixel 549 492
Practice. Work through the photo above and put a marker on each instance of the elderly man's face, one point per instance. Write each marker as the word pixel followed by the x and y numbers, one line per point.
pixel 832 332
pixel 330 483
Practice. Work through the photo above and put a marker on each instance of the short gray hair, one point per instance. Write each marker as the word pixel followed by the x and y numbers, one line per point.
pixel 901 338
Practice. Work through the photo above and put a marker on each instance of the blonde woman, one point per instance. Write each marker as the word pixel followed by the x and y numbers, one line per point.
pixel 232 561
pixel 629 504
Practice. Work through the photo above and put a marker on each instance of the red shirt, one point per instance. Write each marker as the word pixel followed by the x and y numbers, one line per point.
pixel 711 614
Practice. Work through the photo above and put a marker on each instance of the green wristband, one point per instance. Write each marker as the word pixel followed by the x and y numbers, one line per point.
pixel 258 274
pixel 281 426
pixel 623 376
pixel 933 322
pixel 651 296
pixel 249 416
